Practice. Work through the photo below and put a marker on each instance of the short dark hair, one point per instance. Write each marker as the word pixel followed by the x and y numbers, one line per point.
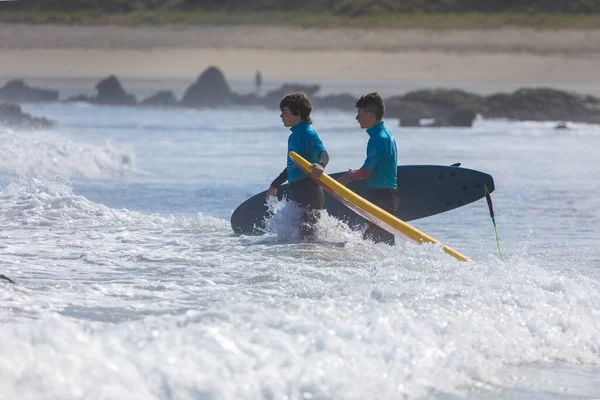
pixel 372 102
pixel 299 104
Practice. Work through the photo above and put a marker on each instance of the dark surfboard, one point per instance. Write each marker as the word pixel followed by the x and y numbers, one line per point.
pixel 423 190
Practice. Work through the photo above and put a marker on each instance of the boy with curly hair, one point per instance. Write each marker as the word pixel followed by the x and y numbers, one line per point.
pixel 304 140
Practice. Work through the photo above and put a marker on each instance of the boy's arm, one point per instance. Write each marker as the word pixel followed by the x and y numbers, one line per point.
pixel 354 175
pixel 277 182
pixel 364 172
pixel 323 158
pixel 319 167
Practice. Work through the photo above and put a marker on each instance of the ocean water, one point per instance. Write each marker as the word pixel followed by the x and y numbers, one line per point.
pixel 130 283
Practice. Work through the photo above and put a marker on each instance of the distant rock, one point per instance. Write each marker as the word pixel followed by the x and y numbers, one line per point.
pixel 408 122
pixel 433 103
pixel 446 99
pixel 17 91
pixel 561 125
pixel 163 98
pixel 408 111
pixel 344 101
pixel 250 99
pixel 273 97
pixel 110 91
pixel 445 107
pixel 461 118
pixel 543 104
pixel 210 90
pixel 78 98
pixel 12 116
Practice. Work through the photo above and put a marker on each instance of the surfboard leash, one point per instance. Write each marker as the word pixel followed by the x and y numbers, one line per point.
pixel 489 202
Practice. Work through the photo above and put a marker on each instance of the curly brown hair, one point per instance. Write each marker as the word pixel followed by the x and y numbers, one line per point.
pixel 372 102
pixel 299 104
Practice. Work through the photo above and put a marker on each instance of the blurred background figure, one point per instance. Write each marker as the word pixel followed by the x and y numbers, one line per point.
pixel 258 81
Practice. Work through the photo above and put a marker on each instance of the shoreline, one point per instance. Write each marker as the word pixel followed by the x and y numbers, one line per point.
pixel 392 61
pixel 346 71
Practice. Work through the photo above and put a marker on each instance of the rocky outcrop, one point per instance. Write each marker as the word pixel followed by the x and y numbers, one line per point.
pixel 459 108
pixel 396 107
pixel 273 97
pixel 110 91
pixel 163 98
pixel 210 90
pixel 543 104
pixel 344 101
pixel 17 91
pixel 12 116
pixel 435 103
pixel 79 98
pixel 446 107
pixel 460 118
pixel 250 99
pixel 408 122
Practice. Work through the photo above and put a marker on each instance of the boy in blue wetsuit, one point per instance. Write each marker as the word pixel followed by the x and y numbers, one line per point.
pixel 380 166
pixel 295 114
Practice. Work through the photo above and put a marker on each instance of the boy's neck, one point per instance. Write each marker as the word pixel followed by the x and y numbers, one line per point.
pixel 374 124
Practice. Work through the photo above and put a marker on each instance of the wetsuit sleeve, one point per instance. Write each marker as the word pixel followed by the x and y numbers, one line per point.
pixel 323 159
pixel 372 157
pixel 280 179
pixel 314 144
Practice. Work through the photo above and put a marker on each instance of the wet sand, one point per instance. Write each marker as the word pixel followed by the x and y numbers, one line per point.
pixel 388 60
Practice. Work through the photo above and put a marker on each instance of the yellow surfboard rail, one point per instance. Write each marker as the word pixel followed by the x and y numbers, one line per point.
pixel 378 216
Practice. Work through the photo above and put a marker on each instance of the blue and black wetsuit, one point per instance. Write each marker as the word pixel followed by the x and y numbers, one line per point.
pixel 303 190
pixel 382 162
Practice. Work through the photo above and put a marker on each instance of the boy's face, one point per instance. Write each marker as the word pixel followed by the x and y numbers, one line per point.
pixel 288 117
pixel 365 118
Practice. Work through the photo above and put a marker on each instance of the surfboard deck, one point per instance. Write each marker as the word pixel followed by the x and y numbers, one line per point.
pixel 423 191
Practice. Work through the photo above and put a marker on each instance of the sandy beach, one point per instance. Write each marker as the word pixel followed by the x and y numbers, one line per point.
pixel 342 59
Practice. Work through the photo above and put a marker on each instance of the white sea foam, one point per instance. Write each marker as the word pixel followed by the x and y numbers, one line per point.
pixel 48 153
pixel 122 302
